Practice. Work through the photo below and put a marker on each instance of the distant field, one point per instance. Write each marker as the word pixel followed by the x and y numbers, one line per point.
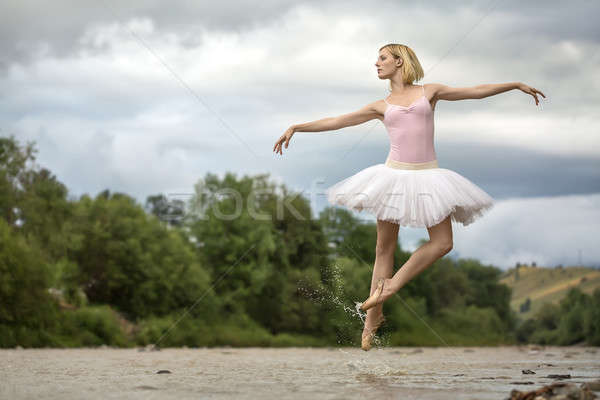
pixel 543 285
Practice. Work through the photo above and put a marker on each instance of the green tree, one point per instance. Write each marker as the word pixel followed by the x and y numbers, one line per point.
pixel 26 308
pixel 591 323
pixel 573 309
pixel 171 211
pixel 485 290
pixel 33 200
pixel 131 260
pixel 262 246
pixel 14 160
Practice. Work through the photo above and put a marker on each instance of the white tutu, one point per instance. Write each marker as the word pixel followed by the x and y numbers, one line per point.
pixel 411 197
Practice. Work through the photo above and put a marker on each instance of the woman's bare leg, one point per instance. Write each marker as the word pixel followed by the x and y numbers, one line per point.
pixel 440 243
pixel 387 240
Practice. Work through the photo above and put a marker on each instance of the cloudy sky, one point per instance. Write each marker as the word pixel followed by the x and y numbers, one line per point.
pixel 146 97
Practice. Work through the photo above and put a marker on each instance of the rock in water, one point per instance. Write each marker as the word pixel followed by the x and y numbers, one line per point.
pixel 555 391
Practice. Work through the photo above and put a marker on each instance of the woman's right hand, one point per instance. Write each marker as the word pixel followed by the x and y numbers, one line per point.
pixel 532 91
pixel 278 148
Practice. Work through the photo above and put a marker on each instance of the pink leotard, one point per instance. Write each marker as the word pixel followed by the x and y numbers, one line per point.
pixel 410 129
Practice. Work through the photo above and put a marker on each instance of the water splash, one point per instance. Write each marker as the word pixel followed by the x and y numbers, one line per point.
pixel 366 368
pixel 335 297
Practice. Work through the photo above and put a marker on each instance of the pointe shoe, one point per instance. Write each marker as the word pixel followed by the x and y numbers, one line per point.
pixel 373 300
pixel 368 338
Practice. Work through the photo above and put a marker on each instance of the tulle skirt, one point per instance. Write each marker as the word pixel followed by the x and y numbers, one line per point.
pixel 411 194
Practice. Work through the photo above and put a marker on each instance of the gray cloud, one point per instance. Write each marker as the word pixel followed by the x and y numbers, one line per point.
pixel 27 26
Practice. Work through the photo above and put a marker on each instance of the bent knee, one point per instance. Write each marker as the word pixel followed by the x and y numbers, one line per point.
pixel 444 246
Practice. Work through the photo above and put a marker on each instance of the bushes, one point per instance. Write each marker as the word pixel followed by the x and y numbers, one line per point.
pixel 26 308
pixel 92 326
pixel 575 319
pixel 237 330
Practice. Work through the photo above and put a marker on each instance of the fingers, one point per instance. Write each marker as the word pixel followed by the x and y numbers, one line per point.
pixel 278 148
pixel 534 92
pixel 278 145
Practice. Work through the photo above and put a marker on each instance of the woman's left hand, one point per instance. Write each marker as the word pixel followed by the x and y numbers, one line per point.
pixel 532 91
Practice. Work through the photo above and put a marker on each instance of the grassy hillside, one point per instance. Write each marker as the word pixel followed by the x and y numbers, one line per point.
pixel 543 285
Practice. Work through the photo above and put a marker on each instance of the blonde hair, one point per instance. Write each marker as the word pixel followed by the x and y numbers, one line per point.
pixel 411 67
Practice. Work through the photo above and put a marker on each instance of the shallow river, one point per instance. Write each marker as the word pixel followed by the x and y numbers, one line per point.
pixel 290 373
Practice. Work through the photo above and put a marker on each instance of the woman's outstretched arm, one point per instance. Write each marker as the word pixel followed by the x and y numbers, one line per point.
pixel 443 92
pixel 367 113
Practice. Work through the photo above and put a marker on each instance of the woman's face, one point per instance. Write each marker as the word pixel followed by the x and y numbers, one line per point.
pixel 386 64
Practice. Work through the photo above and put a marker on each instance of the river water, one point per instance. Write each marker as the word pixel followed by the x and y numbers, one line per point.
pixel 289 373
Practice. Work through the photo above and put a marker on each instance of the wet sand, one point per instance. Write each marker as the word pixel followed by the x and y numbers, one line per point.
pixel 290 373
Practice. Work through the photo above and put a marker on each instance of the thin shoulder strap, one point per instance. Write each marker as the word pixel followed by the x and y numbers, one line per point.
pixel 385 101
pixel 423 86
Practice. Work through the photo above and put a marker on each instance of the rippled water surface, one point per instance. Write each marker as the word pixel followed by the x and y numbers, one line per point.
pixel 290 373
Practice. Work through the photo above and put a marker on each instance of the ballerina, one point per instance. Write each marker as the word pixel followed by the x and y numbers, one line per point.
pixel 409 189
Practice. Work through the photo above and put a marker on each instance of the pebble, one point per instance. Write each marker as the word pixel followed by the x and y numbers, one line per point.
pixel 556 391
